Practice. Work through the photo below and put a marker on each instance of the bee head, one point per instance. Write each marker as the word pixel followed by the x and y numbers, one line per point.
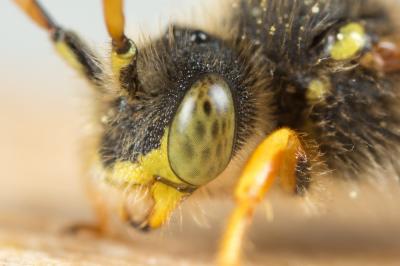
pixel 187 104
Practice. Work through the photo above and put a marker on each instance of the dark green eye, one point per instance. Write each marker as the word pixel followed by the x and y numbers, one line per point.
pixel 202 132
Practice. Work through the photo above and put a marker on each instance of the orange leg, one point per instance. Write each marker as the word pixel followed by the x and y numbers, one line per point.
pixel 276 156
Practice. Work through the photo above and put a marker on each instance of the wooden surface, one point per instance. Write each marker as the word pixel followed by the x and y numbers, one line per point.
pixel 291 239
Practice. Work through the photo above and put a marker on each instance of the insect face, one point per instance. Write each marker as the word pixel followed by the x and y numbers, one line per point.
pixel 184 113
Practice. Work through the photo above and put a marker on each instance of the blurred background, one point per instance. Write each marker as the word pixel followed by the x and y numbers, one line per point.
pixel 42 116
pixel 42 100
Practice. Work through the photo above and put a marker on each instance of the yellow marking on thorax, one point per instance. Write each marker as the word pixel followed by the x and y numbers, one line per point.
pixel 351 39
pixel 316 91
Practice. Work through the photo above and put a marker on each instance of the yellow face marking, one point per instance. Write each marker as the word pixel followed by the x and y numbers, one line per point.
pixel 143 172
pixel 155 163
pixel 316 91
pixel 166 199
pixel 351 39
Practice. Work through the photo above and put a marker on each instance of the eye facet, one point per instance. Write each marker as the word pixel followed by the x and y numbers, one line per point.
pixel 201 136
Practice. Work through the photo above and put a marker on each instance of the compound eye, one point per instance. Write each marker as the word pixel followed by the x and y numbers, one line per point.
pixel 201 136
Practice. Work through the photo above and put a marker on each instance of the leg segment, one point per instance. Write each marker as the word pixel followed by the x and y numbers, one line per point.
pixel 68 44
pixel 277 155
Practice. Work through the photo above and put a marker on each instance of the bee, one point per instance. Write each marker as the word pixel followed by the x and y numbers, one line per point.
pixel 297 88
